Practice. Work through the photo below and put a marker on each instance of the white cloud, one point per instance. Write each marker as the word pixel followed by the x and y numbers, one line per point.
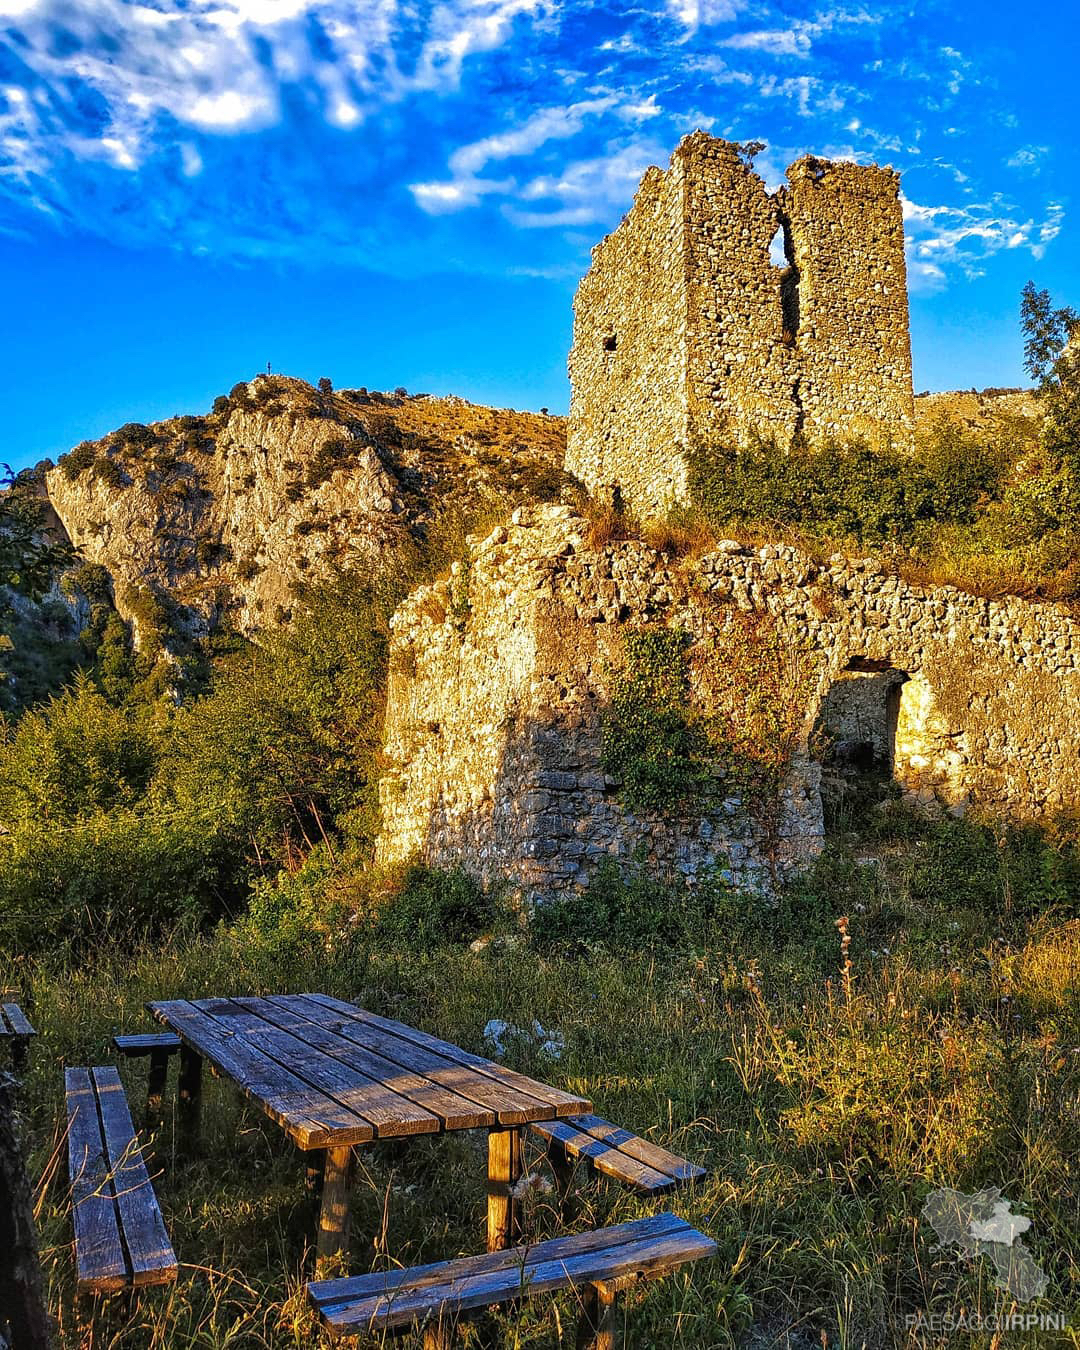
pixel 440 198
pixel 588 189
pixel 964 237
pixel 1028 157
pixel 221 66
pixel 694 13
pixel 545 125
pixel 794 41
pixel 810 95
pixel 467 188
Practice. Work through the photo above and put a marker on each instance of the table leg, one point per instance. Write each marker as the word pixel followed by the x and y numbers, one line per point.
pixel 189 1089
pixel 332 1247
pixel 314 1165
pixel 155 1090
pixel 504 1169
pixel 596 1329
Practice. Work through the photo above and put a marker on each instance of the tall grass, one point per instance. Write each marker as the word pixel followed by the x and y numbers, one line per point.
pixel 825 1108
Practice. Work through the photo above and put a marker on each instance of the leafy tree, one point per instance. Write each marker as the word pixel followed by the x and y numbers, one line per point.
pixel 75 756
pixel 29 556
pixel 1052 357
pixel 284 745
pixel 1046 334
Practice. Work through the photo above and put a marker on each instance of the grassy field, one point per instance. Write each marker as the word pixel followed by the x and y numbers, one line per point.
pixel 826 1106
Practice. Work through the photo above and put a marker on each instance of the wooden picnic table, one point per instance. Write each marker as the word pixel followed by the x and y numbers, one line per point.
pixel 334 1076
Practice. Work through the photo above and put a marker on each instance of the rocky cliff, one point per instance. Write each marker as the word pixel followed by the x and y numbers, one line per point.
pixel 221 517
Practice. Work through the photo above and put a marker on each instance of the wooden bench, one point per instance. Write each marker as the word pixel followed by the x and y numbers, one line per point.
pixel 614 1152
pixel 120 1237
pixel 159 1046
pixel 600 1263
pixel 17 1031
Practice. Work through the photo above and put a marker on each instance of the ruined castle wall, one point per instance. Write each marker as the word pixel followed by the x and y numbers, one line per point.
pixel 853 342
pixel 741 372
pixel 493 744
pixel 494 732
pixel 628 365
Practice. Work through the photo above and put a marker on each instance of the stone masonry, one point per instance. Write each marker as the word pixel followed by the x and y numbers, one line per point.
pixel 499 677
pixel 687 336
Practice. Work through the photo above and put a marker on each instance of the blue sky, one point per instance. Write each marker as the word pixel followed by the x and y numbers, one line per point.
pixel 397 192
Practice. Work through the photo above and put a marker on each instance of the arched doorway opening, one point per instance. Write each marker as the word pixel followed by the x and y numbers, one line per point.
pixel 857 726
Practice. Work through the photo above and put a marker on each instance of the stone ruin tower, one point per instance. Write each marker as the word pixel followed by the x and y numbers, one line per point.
pixel 687 336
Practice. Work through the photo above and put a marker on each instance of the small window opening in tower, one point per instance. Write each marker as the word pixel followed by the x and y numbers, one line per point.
pixel 610 343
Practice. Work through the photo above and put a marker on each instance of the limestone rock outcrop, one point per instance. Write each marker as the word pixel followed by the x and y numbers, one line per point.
pixel 224 516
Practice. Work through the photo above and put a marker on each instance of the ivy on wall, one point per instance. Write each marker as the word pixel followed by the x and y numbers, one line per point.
pixel 726 713
pixel 654 740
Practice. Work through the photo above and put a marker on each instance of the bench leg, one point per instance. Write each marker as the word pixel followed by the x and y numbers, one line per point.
pixel 20 1050
pixel 332 1248
pixel 438 1337
pixel 562 1169
pixel 155 1091
pixel 596 1329
pixel 189 1091
pixel 504 1169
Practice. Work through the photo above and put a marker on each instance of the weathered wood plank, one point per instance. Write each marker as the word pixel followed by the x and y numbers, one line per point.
pixel 311 1118
pixel 645 1258
pixel 16 1020
pixel 606 1158
pixel 515 1098
pixel 389 1113
pixel 500 1104
pixel 147 1043
pixel 150 1253
pixel 630 1252
pixel 644 1150
pixel 100 1265
pixel 454 1111
pixel 382 1283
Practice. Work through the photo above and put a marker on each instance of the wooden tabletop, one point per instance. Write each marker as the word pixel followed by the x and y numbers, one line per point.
pixel 333 1074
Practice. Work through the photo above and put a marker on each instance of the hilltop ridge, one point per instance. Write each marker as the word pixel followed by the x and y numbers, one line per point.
pixel 222 516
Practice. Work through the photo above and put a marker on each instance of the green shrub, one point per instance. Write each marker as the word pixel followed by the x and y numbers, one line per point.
pixel 92 580
pixel 119 876
pixel 109 471
pixel 74 756
pixel 330 455
pixel 134 435
pixel 77 461
pixel 616 911
pixel 434 908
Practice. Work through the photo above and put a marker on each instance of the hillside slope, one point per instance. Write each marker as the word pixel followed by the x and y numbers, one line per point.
pixel 221 517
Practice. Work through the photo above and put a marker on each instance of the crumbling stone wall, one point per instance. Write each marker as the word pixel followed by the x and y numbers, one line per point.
pixel 499 677
pixel 688 336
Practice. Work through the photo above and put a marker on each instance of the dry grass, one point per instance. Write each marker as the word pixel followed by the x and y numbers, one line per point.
pixel 824 1109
